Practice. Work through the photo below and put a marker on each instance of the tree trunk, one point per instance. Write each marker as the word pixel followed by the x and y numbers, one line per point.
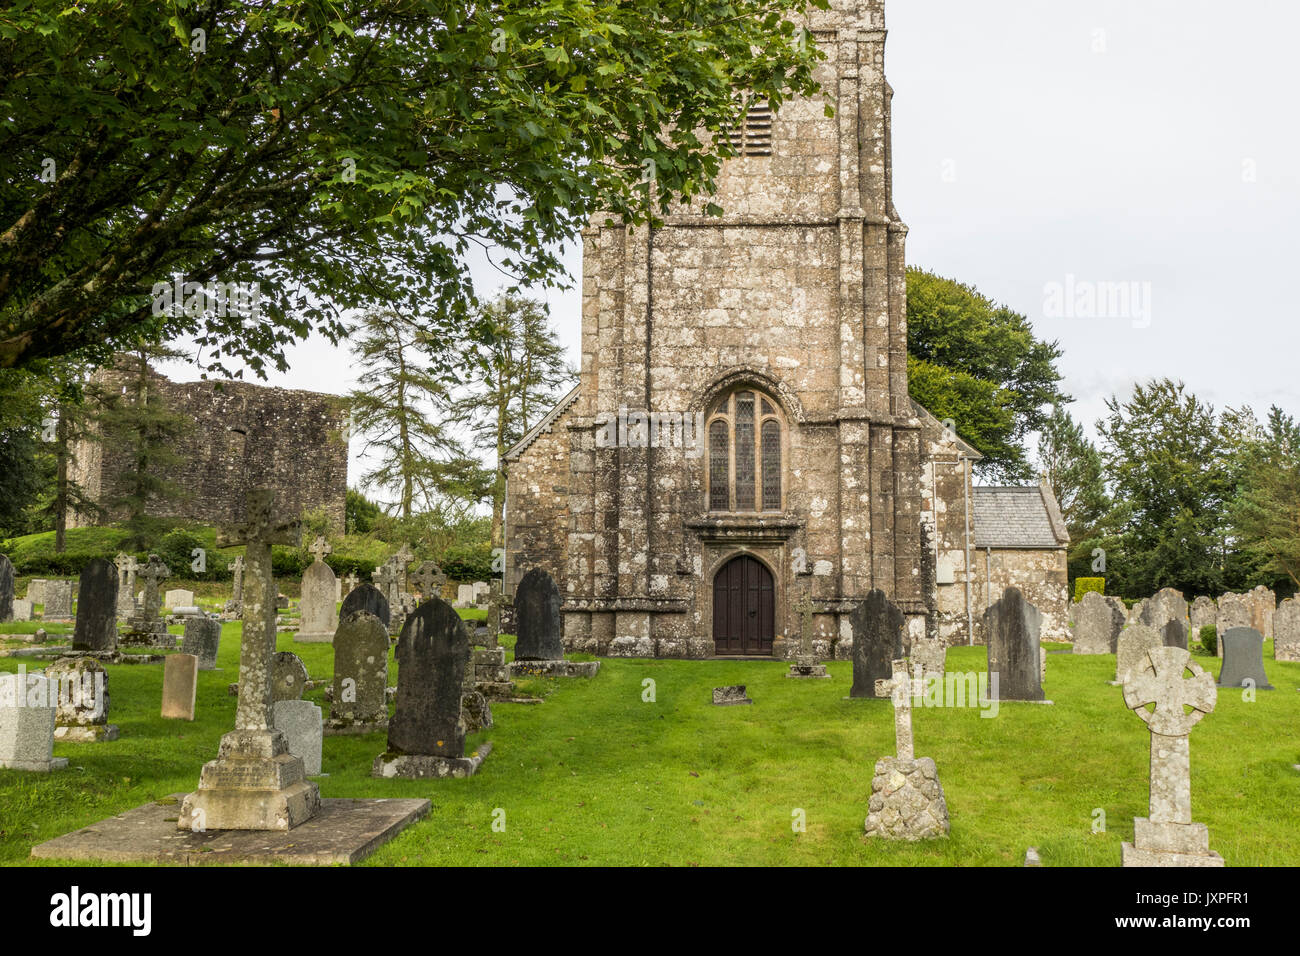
pixel 61 482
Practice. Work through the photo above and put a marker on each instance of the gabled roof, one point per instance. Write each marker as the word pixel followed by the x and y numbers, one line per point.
pixel 1026 518
pixel 544 426
pixel 934 429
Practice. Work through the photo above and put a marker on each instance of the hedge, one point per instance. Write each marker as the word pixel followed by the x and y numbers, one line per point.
pixel 1083 585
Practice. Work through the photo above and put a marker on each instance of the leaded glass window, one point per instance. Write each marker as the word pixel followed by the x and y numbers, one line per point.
pixel 746 442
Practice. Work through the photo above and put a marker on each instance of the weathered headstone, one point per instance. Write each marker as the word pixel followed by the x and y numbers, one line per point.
pixel 730 696
pixel 366 598
pixel 288 676
pixel 235 606
pixel 1234 611
pixel 1203 612
pixel 27 708
pixel 907 801
pixel 1013 627
pixel 1097 623
pixel 877 642
pixel 1162 607
pixel 203 640
pixel 1286 631
pixel 537 605
pixel 6 589
pixel 1134 643
pixel 96 628
pixel 1168 837
pixel 22 610
pixel 300 722
pixel 58 601
pixel 426 736
pixel 1263 607
pixel 481 591
pixel 146 625
pixel 464 595
pixel 1243 659
pixel 126 569
pixel 180 686
pixel 806 665
pixel 255 783
pixel 36 590
pixel 178 597
pixel 318 619
pixel 360 704
pixel 81 688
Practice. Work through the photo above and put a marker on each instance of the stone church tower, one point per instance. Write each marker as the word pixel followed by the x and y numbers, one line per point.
pixel 742 437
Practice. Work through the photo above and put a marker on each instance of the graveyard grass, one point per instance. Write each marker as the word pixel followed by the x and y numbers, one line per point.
pixel 595 775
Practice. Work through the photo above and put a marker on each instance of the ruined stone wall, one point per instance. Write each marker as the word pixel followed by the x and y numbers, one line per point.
pixel 537 507
pixel 239 436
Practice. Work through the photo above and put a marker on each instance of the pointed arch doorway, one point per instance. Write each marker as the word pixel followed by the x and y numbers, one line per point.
pixel 744 609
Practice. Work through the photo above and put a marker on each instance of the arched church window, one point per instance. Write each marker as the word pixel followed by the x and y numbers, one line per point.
pixel 746 438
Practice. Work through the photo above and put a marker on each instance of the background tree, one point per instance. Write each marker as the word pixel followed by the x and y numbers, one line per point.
pixel 979 365
pixel 1266 513
pixel 345 151
pixel 1071 465
pixel 1167 461
pixel 138 418
pixel 22 413
pixel 400 404
pixel 515 370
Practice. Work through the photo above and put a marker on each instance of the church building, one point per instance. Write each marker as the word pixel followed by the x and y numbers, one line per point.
pixel 741 439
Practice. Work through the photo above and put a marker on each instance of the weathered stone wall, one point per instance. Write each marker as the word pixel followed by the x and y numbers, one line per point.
pixel 1042 577
pixel 537 507
pixel 240 436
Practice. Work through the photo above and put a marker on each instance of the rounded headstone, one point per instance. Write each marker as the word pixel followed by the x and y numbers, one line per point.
pixel 360 670
pixel 368 598
pixel 432 654
pixel 539 627
pixel 288 676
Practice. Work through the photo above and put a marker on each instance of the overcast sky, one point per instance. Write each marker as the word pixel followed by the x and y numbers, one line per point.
pixel 1046 146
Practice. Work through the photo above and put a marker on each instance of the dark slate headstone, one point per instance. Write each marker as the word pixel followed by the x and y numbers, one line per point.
pixel 432 654
pixel 202 639
pixel 1174 634
pixel 368 598
pixel 1243 659
pixel 537 613
pixel 96 628
pixel 877 642
pixel 6 589
pixel 1012 626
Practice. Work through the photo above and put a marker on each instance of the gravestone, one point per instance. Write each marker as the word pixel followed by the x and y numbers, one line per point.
pixel 369 599
pixel 1162 607
pixel 126 569
pixel 255 783
pixel 6 589
pixel 146 625
pixel 235 606
pixel 806 665
pixel 1134 643
pixel 23 610
pixel 180 686
pixel 96 628
pixel 907 801
pixel 481 591
pixel 80 685
pixel 58 601
pixel 464 595
pixel 385 578
pixel 1234 611
pixel 428 580
pixel 537 607
pixel 27 708
pixel 1168 837
pixel 178 597
pixel 36 590
pixel 1243 659
pixel 203 640
pixel 1013 626
pixel 1097 624
pixel 1203 612
pixel 426 735
pixel 1263 608
pixel 318 587
pixel 730 696
pixel 1286 631
pixel 877 642
pixel 288 676
pixel 350 582
pixel 299 721
pixel 360 704
pixel 1174 634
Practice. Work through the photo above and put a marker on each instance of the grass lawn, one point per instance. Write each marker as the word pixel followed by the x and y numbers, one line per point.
pixel 597 775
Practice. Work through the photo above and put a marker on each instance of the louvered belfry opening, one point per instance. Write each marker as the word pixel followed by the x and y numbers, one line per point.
pixel 754 137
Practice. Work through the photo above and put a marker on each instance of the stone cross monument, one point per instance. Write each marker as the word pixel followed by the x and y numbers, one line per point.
pixel 805 663
pixel 907 801
pixel 255 783
pixel 235 605
pixel 429 579
pixel 1169 837
pixel 127 567
pixel 901 689
pixel 320 549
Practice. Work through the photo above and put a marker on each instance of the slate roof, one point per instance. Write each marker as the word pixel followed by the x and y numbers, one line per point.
pixel 1026 518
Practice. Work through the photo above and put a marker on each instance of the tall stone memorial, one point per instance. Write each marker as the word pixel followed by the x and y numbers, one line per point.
pixel 426 735
pixel 6 589
pixel 807 665
pixel 1013 626
pixel 877 642
pixel 539 643
pixel 127 567
pixel 319 586
pixel 1097 623
pixel 146 625
pixel 96 628
pixel 235 606
pixel 1168 837
pixel 255 783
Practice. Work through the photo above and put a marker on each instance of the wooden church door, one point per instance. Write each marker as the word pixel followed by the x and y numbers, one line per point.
pixel 744 608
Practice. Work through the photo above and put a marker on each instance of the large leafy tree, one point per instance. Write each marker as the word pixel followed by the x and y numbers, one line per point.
pixel 1266 512
pixel 342 151
pixel 1169 461
pixel 978 365
pixel 515 369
